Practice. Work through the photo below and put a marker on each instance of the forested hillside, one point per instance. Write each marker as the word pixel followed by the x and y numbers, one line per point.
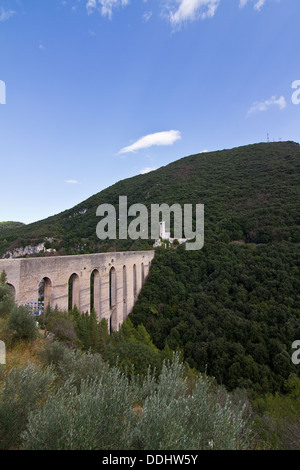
pixel 10 225
pixel 234 306
pixel 250 193
pixel 233 310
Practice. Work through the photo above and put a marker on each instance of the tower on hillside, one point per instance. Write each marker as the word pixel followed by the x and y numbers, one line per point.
pixel 162 231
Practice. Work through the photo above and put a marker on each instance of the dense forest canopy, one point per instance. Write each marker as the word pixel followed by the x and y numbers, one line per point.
pixel 233 310
pixel 10 225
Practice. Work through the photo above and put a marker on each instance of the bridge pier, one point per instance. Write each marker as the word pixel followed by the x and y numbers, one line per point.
pixel 108 282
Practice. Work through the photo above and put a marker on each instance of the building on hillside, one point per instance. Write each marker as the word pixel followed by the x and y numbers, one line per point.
pixel 166 236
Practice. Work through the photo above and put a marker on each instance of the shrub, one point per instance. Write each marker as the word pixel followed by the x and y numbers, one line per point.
pixel 173 419
pixel 113 412
pixel 62 325
pixel 73 366
pixel 98 417
pixel 53 353
pixel 21 392
pixel 22 323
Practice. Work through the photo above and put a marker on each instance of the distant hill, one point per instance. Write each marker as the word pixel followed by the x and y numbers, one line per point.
pixel 10 225
pixel 250 194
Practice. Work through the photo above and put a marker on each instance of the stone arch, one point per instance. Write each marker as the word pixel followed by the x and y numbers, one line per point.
pixel 44 291
pixel 134 283
pixel 124 293
pixel 95 287
pixel 73 285
pixel 113 299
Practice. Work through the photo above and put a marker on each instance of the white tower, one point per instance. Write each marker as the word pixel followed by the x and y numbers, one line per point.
pixel 162 230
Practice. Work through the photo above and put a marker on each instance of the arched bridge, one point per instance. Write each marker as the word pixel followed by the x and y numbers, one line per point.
pixel 108 282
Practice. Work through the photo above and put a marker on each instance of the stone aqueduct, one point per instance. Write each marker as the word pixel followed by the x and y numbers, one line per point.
pixel 108 282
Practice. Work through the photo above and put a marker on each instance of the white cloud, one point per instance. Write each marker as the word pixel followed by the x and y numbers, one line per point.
pixel 72 181
pixel 158 138
pixel 105 7
pixel 147 15
pixel 257 6
pixel 5 14
pixel 179 11
pixel 265 105
pixel 175 11
pixel 147 170
pixel 189 10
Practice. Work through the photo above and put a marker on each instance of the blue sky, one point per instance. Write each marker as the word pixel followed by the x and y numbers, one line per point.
pixel 101 90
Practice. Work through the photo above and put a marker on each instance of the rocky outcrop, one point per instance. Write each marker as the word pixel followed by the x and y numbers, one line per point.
pixel 28 251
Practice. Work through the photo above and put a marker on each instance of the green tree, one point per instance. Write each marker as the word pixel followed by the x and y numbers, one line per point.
pixel 6 296
pixel 62 326
pixel 3 278
pixel 22 323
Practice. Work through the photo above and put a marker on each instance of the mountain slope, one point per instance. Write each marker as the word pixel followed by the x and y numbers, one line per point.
pixel 232 308
pixel 250 193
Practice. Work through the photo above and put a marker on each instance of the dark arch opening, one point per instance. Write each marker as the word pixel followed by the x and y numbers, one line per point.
pixel 73 296
pixel 113 299
pixel 124 293
pixel 44 292
pixel 12 288
pixel 143 274
pixel 95 292
pixel 134 283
